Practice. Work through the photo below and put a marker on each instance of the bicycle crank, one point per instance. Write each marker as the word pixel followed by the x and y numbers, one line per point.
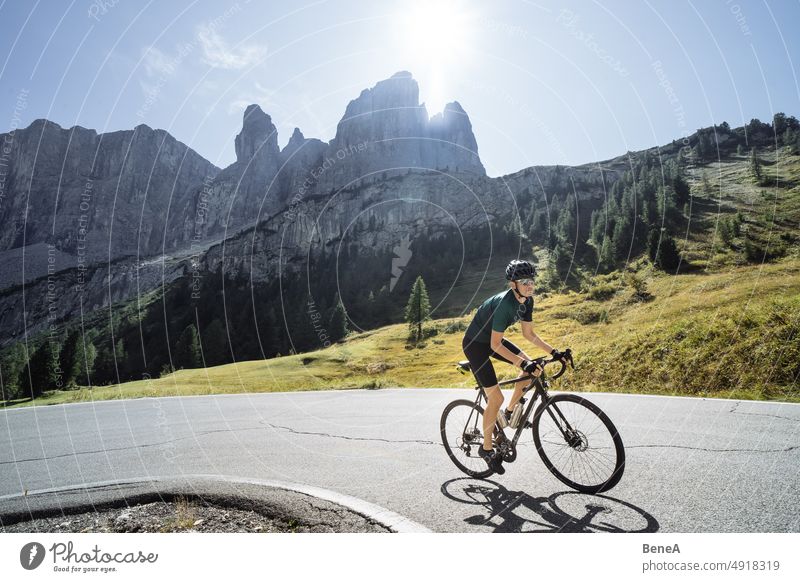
pixel 507 449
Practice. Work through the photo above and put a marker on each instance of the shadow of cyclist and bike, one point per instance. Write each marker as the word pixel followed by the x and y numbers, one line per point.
pixel 504 510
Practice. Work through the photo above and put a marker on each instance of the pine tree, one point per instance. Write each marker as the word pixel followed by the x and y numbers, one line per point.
pixel 555 262
pixel 622 238
pixel 187 352
pixel 11 366
pixel 607 254
pixel 725 230
pixel 681 189
pixel 667 258
pixel 84 362
pixel 68 357
pixel 752 251
pixel 104 365
pixel 338 322
pixel 418 309
pixel 779 123
pixel 79 356
pixel 121 358
pixel 597 230
pixel 653 240
pixel 666 207
pixel 702 149
pixel 755 165
pixel 41 371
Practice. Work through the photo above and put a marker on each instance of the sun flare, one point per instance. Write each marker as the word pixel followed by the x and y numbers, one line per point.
pixel 435 39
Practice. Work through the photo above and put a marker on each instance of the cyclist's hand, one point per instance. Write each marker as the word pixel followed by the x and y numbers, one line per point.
pixel 565 356
pixel 532 367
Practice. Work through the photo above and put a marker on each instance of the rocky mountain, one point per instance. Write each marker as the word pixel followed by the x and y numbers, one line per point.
pixel 93 197
pixel 389 172
pixel 386 132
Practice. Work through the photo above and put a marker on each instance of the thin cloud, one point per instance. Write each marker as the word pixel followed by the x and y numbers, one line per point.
pixel 156 63
pixel 217 53
pixel 262 95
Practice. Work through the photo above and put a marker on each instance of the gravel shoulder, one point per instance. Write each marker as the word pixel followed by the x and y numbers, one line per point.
pixel 212 508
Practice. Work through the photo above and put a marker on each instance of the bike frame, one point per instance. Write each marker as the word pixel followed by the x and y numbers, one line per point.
pixel 538 384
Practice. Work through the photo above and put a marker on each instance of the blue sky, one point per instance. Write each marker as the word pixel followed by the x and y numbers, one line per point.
pixel 543 82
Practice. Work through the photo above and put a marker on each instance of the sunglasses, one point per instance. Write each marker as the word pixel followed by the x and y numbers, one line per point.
pixel 525 281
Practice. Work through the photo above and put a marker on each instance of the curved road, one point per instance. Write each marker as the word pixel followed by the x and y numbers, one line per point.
pixel 693 465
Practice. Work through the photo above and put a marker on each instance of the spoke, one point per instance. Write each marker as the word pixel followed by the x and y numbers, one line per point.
pixel 611 462
pixel 563 452
pixel 600 478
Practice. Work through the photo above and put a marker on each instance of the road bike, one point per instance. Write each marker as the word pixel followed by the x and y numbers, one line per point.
pixel 576 441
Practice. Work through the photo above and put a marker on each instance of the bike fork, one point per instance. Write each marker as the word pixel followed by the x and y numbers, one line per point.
pixel 563 424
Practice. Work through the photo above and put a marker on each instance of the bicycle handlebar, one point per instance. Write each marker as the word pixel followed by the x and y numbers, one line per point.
pixel 564 360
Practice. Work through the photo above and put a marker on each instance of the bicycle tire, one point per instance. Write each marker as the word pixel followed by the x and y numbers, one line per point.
pixel 459 417
pixel 585 464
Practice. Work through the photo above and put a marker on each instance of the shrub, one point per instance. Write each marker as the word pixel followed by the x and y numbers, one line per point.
pixel 588 316
pixel 455 326
pixel 639 285
pixel 602 291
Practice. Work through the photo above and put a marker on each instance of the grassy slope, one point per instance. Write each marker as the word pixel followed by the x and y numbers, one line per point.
pixel 722 328
pixel 721 334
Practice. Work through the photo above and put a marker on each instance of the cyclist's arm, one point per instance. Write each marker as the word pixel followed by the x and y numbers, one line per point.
pixel 496 344
pixel 530 335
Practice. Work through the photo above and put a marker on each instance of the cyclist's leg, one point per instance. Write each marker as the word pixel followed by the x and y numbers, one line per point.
pixel 478 355
pixel 524 380
pixel 495 401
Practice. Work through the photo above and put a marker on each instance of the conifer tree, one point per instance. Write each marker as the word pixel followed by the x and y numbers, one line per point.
pixel 418 309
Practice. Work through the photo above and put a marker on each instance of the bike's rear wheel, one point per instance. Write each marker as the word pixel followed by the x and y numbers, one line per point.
pixel 461 428
pixel 579 444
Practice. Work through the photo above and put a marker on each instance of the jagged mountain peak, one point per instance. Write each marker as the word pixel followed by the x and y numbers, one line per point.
pixel 257 137
pixel 297 137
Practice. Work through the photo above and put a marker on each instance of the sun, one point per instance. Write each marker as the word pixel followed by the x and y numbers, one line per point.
pixel 434 41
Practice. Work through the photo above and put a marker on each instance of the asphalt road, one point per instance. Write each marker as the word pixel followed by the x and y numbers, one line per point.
pixel 693 465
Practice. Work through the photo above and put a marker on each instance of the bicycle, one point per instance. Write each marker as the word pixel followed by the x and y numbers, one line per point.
pixel 576 441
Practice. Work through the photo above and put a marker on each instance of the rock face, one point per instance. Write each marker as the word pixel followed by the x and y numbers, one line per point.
pixel 299 159
pixel 143 193
pixel 95 197
pixel 378 215
pixel 386 132
pixel 452 144
pixel 247 189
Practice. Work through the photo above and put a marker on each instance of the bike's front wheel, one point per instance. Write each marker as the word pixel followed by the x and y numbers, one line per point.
pixel 579 444
pixel 461 428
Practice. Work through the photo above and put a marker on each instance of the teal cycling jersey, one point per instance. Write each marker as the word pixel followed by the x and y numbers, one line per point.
pixel 498 313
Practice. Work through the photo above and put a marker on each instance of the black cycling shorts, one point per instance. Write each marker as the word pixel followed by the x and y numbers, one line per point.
pixel 478 355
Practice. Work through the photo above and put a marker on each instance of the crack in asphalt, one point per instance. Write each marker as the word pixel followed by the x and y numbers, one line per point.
pixel 736 405
pixel 138 446
pixel 349 438
pixel 207 432
pixel 340 513
pixel 785 450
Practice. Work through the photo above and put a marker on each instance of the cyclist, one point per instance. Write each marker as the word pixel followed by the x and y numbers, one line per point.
pixel 484 338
